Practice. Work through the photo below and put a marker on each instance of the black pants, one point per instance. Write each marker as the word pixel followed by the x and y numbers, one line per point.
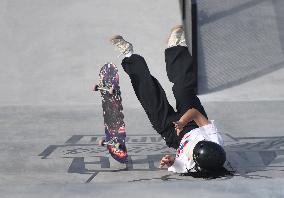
pixel 153 98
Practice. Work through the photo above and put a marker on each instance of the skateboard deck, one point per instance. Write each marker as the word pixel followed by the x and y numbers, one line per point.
pixel 115 133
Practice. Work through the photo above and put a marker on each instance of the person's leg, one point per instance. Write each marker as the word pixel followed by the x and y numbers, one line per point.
pixel 152 98
pixel 148 91
pixel 180 71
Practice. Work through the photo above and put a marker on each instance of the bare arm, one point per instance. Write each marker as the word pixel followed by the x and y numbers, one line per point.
pixel 191 114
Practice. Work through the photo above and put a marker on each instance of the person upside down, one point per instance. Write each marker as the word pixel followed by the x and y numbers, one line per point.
pixel 198 143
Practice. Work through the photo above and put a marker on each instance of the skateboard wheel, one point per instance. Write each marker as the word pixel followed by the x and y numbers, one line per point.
pixel 96 88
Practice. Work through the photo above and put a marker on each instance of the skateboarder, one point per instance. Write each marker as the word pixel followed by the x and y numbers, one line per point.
pixel 188 129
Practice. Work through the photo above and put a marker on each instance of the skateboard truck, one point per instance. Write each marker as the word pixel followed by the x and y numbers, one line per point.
pixel 109 90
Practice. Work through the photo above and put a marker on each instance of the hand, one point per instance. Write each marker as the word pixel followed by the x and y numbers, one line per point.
pixel 178 126
pixel 167 160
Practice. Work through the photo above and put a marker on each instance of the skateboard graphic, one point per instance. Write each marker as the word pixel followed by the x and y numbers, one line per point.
pixel 112 111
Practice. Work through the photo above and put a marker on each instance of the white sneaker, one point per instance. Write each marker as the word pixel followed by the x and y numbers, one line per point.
pixel 123 46
pixel 176 37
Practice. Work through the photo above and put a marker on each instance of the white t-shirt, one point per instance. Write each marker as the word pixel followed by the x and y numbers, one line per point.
pixel 184 160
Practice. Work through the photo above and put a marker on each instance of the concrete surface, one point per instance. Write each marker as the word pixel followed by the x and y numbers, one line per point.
pixel 51 51
pixel 55 147
pixel 50 120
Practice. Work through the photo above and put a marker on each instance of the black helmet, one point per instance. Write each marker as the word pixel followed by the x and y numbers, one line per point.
pixel 209 155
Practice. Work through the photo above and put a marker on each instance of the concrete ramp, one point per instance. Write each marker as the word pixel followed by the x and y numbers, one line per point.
pixel 50 120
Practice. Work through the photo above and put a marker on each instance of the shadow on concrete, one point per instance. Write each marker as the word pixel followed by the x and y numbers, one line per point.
pixel 237 42
pixel 248 157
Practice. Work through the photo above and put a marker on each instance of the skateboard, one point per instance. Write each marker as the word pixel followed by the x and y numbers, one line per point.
pixel 115 133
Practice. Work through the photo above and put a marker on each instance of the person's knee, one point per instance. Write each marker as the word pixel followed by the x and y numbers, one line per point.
pixel 135 64
pixel 134 59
